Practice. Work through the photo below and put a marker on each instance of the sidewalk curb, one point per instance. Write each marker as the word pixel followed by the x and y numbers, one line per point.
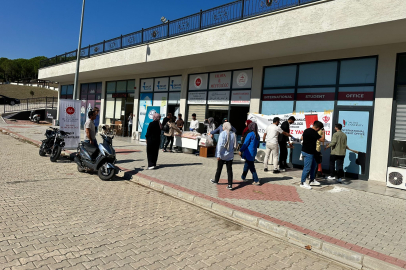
pixel 335 252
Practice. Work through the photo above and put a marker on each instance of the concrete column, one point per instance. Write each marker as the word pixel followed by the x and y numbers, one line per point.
pixel 102 103
pixel 183 94
pixel 257 73
pixel 380 143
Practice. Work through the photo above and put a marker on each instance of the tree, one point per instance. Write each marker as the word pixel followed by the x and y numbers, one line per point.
pixel 32 93
pixel 16 69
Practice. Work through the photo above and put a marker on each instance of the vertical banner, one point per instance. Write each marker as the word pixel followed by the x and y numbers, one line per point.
pixel 310 119
pixel 151 110
pixel 69 121
pixel 145 101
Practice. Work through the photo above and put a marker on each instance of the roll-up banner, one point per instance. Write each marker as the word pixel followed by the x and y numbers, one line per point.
pixel 69 121
pixel 151 110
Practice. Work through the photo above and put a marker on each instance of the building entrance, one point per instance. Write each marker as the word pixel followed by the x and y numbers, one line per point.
pixel 238 116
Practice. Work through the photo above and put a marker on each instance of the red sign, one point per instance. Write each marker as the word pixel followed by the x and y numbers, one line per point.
pixel 310 118
pixel 326 118
pixel 198 82
pixel 70 110
pixel 316 96
pixel 356 95
pixel 278 96
pixel 120 95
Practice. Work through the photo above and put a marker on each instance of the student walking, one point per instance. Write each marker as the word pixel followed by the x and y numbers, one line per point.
pixel 210 126
pixel 272 146
pixel 227 142
pixel 194 124
pixel 130 124
pixel 169 132
pixel 283 141
pixel 310 137
pixel 249 150
pixel 338 147
pixel 153 140
pixel 244 134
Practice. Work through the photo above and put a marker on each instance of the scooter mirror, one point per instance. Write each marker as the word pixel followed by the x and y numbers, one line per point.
pixel 104 127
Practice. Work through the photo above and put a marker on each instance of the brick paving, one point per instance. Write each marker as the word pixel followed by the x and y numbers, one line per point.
pixel 365 222
pixel 53 217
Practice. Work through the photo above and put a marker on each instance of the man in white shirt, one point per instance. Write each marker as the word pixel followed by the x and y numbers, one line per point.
pixel 194 124
pixel 272 145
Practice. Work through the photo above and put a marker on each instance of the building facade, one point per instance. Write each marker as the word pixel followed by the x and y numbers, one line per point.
pixel 344 57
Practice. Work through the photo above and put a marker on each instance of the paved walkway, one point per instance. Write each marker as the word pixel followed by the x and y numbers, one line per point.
pixel 371 223
pixel 53 217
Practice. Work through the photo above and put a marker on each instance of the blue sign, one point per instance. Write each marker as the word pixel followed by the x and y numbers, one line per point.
pixel 151 110
pixel 355 126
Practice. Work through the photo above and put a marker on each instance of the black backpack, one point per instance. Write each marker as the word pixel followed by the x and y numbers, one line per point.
pixel 166 128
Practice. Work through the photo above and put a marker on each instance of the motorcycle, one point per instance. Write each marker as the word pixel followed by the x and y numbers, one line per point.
pixel 46 145
pixel 101 159
pixel 58 144
pixel 34 117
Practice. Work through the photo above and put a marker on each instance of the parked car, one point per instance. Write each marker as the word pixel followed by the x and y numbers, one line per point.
pixel 8 100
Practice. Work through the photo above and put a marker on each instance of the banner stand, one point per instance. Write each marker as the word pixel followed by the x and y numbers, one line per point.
pixel 69 121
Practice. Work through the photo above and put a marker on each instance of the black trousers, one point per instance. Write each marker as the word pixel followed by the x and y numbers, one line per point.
pixel 283 155
pixel 340 163
pixel 229 165
pixel 152 153
pixel 169 139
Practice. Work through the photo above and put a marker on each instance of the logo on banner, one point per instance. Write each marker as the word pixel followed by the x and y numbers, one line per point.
pixel 242 79
pixel 151 114
pixel 146 87
pixel 175 86
pixel 344 123
pixel 198 82
pixel 326 119
pixel 70 110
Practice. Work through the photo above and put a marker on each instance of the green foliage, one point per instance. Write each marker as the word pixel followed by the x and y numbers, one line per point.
pixel 17 69
pixel 32 93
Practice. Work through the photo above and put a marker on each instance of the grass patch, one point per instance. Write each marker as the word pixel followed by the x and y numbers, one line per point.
pixel 22 92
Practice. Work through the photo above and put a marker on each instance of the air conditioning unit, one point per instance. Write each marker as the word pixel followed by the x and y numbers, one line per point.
pixel 396 178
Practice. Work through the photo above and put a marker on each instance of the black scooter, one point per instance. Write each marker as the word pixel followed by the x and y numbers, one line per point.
pixel 46 145
pixel 100 159
pixel 54 143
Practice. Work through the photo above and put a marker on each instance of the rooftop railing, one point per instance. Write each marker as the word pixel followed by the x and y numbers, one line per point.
pixel 231 12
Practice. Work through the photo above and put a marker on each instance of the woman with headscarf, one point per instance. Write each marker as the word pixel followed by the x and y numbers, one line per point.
pixel 249 151
pixel 220 129
pixel 153 137
pixel 244 134
pixel 209 123
pixel 227 142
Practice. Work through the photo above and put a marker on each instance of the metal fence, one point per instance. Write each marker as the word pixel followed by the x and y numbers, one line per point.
pixel 32 104
pixel 234 11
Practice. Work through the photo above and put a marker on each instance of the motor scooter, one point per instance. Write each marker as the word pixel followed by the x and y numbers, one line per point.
pixel 34 117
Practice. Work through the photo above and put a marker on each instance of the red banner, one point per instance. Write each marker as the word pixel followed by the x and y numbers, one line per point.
pixel 290 96
pixel 355 95
pixel 310 118
pixel 316 96
pixel 120 95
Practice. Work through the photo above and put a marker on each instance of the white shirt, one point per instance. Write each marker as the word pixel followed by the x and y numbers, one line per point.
pixel 194 124
pixel 272 132
pixel 130 120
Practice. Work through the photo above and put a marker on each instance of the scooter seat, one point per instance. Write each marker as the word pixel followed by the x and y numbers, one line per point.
pixel 90 148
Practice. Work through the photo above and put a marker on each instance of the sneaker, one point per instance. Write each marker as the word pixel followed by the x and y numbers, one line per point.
pixel 213 181
pixel 305 185
pixel 243 159
pixel 315 183
pixel 230 187
pixel 265 170
pixel 151 168
pixel 331 178
pixel 283 170
pixel 164 150
pixel 339 180
pixel 276 171
pixel 256 183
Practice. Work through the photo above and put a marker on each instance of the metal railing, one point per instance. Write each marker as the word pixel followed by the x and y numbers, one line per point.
pixel 32 104
pixel 231 12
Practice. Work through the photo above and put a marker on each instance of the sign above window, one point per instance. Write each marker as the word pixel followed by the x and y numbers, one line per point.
pixel 175 83
pixel 120 95
pixel 197 97
pixel 147 85
pixel 240 97
pixel 242 79
pixel 161 84
pixel 219 97
pixel 198 81
pixel 220 80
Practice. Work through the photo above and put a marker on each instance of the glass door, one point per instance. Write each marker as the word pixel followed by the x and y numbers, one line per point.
pixel 357 125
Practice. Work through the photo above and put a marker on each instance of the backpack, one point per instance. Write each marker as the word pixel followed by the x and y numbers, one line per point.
pixel 166 128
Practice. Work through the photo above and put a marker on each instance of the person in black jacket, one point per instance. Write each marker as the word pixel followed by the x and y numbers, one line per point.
pixel 282 141
pixel 153 137
pixel 163 137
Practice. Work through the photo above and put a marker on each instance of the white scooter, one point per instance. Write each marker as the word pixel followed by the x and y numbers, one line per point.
pixel 34 117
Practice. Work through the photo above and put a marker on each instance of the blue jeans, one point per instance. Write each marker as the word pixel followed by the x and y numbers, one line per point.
pixel 163 138
pixel 310 165
pixel 249 165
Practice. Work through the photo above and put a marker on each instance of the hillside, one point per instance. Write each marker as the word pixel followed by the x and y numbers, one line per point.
pixel 22 92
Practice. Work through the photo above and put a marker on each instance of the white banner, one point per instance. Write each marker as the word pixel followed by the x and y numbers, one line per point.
pixel 297 128
pixel 69 121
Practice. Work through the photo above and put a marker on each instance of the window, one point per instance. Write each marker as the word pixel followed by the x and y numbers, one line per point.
pixel 277 107
pixel 280 76
pixel 90 96
pixel 358 71
pixel 323 73
pixel 67 91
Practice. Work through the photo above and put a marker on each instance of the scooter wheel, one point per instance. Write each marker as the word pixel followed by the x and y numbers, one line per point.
pixel 80 169
pixel 41 150
pixel 56 152
pixel 105 174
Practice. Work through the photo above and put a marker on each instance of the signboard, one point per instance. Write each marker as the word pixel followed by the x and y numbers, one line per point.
pixel 198 81
pixel 197 97
pixel 220 80
pixel 297 128
pixel 219 97
pixel 175 83
pixel 316 94
pixel 145 101
pixel 151 110
pixel 161 84
pixel 161 100
pixel 241 97
pixel 146 85
pixel 268 96
pixel 120 95
pixel 69 121
pixel 242 79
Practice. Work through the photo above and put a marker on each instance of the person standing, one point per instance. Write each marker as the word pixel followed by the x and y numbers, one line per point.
pixel 249 150
pixel 130 125
pixel 272 146
pixel 169 135
pixel 90 130
pixel 163 137
pixel 194 124
pixel 179 123
pixel 153 140
pixel 244 134
pixel 210 126
pixel 220 129
pixel 338 147
pixel 283 141
pixel 97 120
pixel 310 138
pixel 227 142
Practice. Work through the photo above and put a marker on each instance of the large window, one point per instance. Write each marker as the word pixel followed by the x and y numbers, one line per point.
pixel 90 96
pixel 318 86
pixel 67 91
